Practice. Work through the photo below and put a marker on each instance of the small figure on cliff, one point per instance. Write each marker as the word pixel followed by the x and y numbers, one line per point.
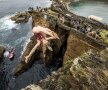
pixel 42 35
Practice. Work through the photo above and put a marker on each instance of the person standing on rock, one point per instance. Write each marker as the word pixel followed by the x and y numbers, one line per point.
pixel 42 35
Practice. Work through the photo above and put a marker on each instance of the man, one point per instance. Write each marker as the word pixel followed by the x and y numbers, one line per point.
pixel 42 35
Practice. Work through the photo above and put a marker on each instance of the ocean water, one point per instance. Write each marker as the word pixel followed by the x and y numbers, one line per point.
pixel 91 7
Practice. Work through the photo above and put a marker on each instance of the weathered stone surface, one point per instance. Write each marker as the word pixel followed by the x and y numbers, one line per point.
pixel 75 47
pixel 65 24
pixel 88 72
pixel 2 49
pixel 21 17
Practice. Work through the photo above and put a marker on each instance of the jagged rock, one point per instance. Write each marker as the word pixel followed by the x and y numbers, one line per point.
pixel 2 49
pixel 88 72
pixel 21 17
pixel 73 26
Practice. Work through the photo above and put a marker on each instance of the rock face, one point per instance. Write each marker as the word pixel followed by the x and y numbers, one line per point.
pixel 88 72
pixel 75 47
pixel 77 35
pixel 21 17
pixel 2 49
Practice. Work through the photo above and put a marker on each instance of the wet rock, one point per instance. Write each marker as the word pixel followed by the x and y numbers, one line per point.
pixel 87 72
pixel 2 49
pixel 21 17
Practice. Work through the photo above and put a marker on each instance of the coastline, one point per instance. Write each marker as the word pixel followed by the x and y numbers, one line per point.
pixel 100 25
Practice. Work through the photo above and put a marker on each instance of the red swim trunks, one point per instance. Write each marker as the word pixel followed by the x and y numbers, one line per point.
pixel 39 36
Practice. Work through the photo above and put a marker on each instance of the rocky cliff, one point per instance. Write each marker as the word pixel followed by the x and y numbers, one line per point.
pixel 87 72
pixel 81 50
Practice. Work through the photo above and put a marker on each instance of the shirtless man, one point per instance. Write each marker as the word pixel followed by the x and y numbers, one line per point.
pixel 42 35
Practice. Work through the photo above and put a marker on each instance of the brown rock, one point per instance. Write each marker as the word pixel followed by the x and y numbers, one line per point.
pixel 2 49
pixel 87 72
pixel 75 47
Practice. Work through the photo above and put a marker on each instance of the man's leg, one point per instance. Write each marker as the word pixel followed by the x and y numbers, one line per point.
pixel 27 58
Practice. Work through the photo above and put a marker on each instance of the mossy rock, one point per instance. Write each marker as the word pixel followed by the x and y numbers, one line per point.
pixel 104 35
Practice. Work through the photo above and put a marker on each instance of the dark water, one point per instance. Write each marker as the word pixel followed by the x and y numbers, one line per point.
pixel 17 35
pixel 91 7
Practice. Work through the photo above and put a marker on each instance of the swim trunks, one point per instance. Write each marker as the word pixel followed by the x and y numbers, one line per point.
pixel 39 36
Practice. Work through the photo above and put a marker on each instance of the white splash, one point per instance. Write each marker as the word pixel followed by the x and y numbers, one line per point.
pixel 6 23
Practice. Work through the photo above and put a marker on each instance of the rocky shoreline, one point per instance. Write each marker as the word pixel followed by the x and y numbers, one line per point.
pixel 78 36
pixel 87 72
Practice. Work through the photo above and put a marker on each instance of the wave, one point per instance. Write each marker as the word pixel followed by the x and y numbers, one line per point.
pixel 6 23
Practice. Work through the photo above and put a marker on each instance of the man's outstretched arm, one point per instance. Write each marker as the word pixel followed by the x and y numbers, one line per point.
pixel 50 33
